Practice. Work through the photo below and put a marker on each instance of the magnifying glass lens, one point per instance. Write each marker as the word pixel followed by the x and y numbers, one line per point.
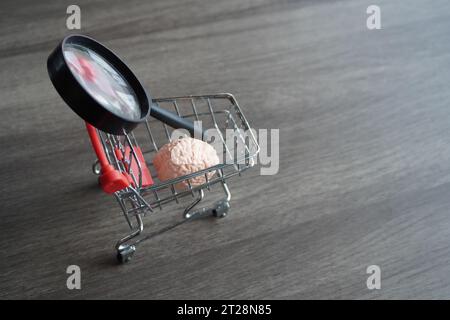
pixel 102 81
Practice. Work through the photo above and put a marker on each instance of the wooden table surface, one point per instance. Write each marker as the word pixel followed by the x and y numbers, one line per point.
pixel 364 150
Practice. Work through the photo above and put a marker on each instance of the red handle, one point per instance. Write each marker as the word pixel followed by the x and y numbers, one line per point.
pixel 110 179
pixel 97 145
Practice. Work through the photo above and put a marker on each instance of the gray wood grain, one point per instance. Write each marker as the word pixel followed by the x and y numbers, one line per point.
pixel 364 151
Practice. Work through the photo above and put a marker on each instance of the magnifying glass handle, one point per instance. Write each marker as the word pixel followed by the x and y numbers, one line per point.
pixel 175 121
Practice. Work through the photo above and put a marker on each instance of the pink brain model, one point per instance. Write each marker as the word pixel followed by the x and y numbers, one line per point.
pixel 184 156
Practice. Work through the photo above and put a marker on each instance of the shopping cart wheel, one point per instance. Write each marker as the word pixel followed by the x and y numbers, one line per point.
pixel 125 254
pixel 221 209
pixel 96 168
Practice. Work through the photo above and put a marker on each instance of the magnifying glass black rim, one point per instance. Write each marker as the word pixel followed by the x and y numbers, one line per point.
pixel 81 101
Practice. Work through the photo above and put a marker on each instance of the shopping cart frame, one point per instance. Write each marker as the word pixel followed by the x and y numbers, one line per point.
pixel 138 199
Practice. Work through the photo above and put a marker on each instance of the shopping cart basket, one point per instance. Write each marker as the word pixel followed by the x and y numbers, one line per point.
pixel 219 111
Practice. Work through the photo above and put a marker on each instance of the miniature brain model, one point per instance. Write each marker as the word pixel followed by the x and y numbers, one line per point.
pixel 184 156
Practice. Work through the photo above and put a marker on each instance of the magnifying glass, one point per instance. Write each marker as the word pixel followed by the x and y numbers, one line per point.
pixel 101 89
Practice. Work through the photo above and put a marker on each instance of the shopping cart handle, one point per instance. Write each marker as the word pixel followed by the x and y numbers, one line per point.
pixel 175 121
pixel 111 180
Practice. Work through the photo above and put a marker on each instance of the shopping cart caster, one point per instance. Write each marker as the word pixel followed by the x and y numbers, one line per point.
pixel 125 254
pixel 221 209
pixel 96 168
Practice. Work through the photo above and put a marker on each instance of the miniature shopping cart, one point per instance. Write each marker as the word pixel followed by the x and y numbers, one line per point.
pixel 127 155
pixel 127 128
